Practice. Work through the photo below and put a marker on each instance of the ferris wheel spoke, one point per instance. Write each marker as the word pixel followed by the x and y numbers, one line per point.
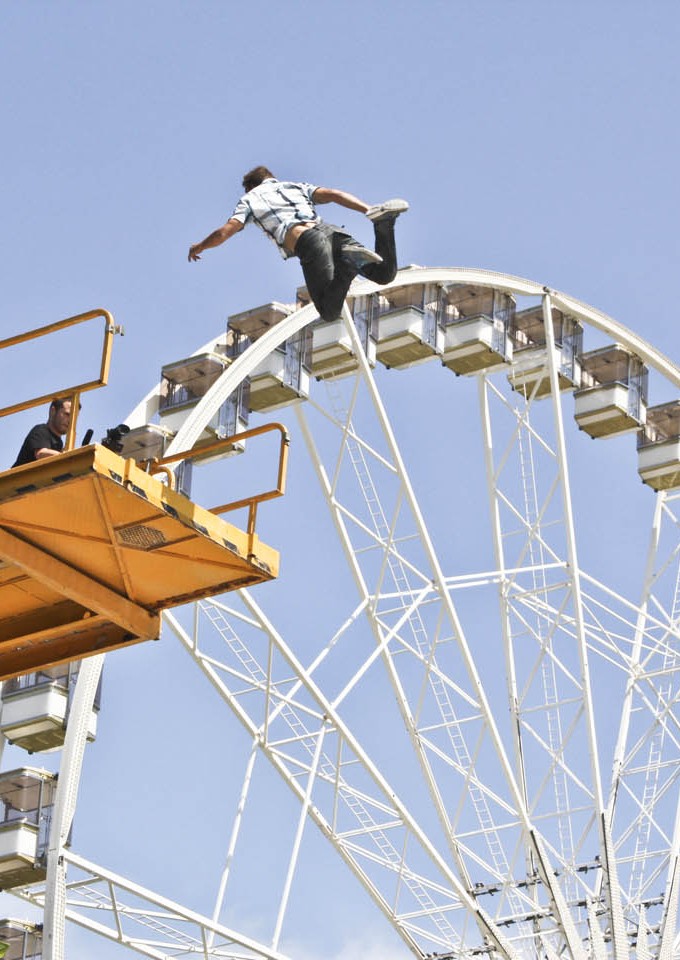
pixel 400 625
pixel 466 732
pixel 65 805
pixel 114 907
pixel 344 794
pixel 645 773
pixel 549 692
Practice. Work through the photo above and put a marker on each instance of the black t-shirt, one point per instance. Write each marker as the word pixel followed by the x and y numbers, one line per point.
pixel 37 438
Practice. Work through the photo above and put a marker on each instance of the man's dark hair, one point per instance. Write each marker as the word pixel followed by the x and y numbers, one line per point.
pixel 58 402
pixel 255 177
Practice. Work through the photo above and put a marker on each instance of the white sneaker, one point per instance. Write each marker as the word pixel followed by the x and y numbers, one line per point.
pixel 390 208
pixel 360 256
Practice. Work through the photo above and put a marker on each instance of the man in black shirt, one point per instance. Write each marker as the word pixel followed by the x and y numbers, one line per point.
pixel 45 439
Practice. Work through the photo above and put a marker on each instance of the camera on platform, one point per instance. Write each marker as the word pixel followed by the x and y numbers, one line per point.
pixel 114 437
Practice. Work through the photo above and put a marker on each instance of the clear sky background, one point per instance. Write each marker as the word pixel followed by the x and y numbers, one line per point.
pixel 539 139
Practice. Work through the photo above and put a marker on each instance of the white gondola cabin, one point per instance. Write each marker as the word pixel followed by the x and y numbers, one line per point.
pixel 183 384
pixel 477 323
pixel 612 398
pixel 20 940
pixel 147 442
pixel 35 708
pixel 282 377
pixel 409 327
pixel 332 351
pixel 26 805
pixel 659 447
pixel 530 372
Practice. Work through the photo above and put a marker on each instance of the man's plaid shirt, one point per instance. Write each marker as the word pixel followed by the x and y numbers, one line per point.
pixel 275 206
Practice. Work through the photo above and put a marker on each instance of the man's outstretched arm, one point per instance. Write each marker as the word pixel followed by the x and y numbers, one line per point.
pixel 327 195
pixel 215 238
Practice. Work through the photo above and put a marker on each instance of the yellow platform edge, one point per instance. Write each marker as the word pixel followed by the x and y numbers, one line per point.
pixel 92 548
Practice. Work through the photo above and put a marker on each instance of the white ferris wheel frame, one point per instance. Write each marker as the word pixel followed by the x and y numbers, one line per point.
pixel 207 933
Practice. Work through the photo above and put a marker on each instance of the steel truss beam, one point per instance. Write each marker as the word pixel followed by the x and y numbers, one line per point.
pixel 343 792
pixel 549 689
pixel 645 780
pixel 466 723
pixel 107 904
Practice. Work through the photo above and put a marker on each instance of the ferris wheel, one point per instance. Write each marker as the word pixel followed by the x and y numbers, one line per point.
pixel 466 682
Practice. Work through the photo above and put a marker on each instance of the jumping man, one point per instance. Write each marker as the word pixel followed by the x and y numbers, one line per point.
pixel 330 258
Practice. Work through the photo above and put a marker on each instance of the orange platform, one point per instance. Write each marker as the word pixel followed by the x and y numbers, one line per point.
pixel 92 548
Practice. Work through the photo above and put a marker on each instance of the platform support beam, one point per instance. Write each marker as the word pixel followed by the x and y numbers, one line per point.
pixel 77 586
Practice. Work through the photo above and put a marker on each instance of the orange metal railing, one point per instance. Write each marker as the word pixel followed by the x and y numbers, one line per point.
pixel 252 502
pixel 71 393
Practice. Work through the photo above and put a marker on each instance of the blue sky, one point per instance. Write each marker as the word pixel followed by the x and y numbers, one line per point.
pixel 533 138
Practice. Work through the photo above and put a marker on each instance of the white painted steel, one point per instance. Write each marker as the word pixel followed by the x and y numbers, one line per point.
pixel 207 408
pixel 108 904
pixel 443 884
pixel 477 687
pixel 65 805
pixel 497 829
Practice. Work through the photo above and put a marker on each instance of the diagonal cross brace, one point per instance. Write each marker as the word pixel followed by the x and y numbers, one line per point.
pixel 71 583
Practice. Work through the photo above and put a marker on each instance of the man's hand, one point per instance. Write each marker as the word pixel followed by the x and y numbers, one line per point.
pixel 215 238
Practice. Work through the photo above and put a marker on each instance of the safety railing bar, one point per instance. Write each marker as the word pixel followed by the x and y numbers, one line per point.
pixel 213 448
pixel 56 325
pixel 75 390
pixel 257 498
pixel 66 394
